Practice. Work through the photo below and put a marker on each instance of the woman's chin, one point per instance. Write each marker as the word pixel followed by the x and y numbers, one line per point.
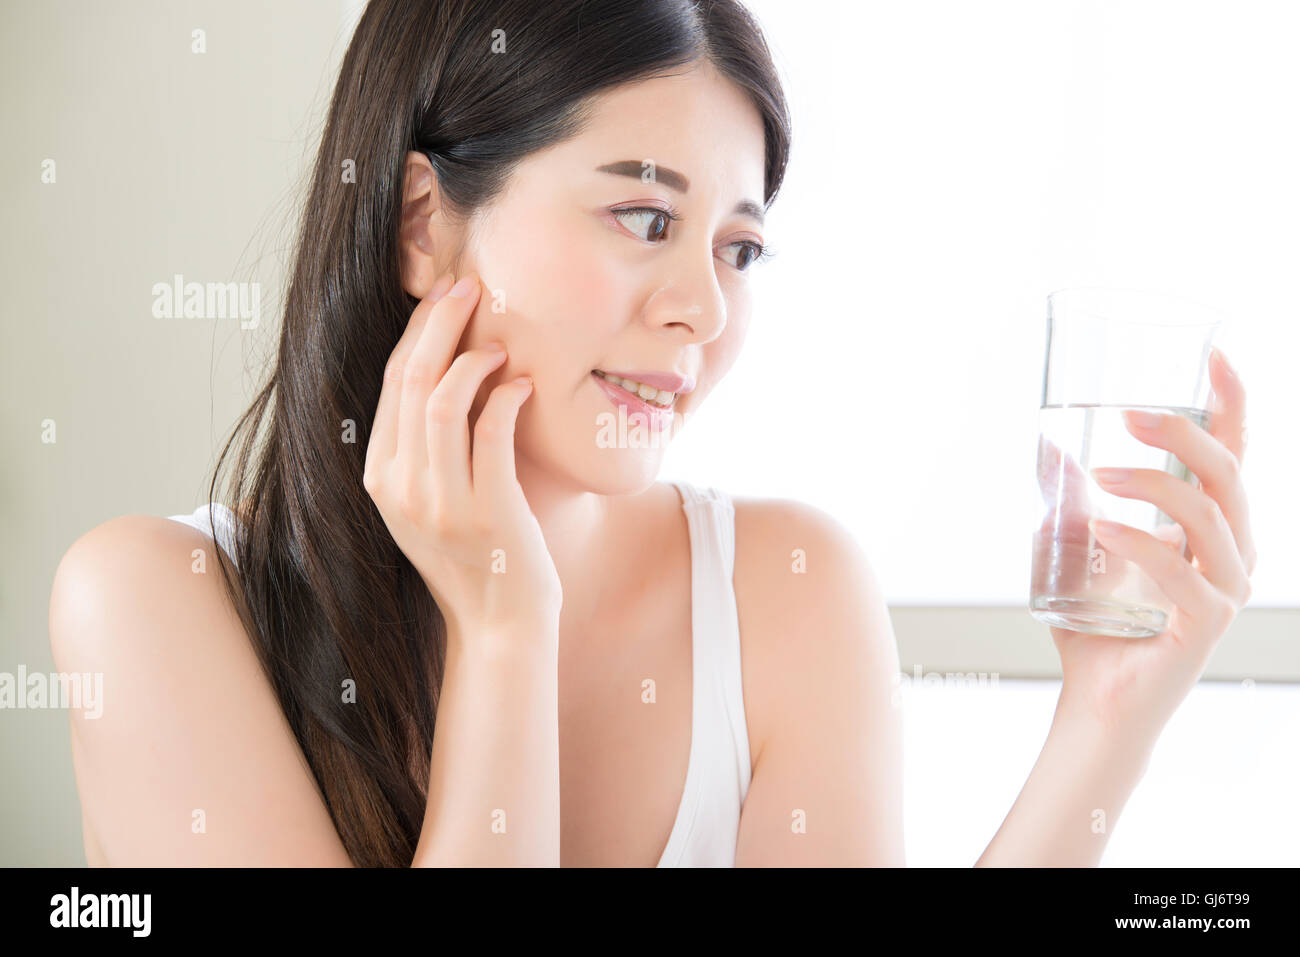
pixel 625 471
pixel 622 463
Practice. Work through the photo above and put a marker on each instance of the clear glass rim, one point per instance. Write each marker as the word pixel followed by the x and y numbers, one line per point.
pixel 1063 295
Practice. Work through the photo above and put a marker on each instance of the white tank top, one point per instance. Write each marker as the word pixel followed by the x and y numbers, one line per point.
pixel 718 769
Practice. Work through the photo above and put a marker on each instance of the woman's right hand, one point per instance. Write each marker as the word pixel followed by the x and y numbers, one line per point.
pixel 457 512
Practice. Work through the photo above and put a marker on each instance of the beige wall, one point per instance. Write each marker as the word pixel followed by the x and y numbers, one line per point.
pixel 166 161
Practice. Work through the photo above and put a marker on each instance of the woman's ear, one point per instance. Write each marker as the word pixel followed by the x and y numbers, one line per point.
pixel 420 203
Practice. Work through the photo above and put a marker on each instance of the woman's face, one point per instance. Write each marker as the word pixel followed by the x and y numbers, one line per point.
pixel 574 280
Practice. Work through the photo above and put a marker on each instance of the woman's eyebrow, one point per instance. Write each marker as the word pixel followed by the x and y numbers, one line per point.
pixel 675 181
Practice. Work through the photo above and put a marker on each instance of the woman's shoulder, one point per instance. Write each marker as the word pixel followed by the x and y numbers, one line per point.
pixel 776 538
pixel 141 602
pixel 808 602
pixel 147 574
pixel 131 544
pixel 797 563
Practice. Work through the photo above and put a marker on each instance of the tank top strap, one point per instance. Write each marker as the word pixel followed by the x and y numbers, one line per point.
pixel 216 521
pixel 719 771
pixel 712 510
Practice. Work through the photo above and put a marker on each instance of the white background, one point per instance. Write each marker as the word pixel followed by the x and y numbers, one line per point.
pixel 955 162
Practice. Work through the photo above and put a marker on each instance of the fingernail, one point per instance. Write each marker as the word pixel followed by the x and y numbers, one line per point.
pixel 462 288
pixel 1112 476
pixel 1144 420
pixel 1104 529
pixel 1223 360
pixel 440 287
pixel 526 380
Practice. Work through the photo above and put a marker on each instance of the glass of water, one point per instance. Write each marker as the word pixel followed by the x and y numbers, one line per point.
pixel 1109 350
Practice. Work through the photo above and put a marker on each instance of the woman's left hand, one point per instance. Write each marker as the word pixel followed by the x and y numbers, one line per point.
pixel 1132 686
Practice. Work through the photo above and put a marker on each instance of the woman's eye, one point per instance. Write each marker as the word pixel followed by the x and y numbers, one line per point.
pixel 748 253
pixel 654 221
pixel 651 224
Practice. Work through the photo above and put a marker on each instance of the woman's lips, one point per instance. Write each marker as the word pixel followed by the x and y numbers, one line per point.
pixel 657 415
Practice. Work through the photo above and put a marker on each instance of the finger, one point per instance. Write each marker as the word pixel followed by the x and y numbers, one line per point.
pixel 1228 425
pixel 1172 534
pixel 494 477
pixel 1207 530
pixel 428 361
pixel 383 431
pixel 1064 488
pixel 1182 584
pixel 448 426
pixel 1215 466
pixel 1063 532
pixel 1228 414
pixel 1060 479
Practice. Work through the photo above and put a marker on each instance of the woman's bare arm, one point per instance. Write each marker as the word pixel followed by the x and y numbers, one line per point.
pixel 1069 805
pixel 494 782
pixel 191 761
pixel 1118 694
pixel 453 506
pixel 820 669
pixel 820 686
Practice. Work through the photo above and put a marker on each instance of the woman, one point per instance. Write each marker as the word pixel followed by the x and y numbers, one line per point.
pixel 419 533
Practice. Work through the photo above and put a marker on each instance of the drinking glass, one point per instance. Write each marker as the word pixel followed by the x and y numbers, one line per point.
pixel 1109 350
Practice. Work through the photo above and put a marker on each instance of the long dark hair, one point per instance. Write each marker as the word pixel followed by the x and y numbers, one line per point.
pixel 322 589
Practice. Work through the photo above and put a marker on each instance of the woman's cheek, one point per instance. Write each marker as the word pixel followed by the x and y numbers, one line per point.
pixel 563 285
pixel 575 288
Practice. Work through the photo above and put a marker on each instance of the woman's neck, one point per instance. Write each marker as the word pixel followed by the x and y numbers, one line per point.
pixel 597 542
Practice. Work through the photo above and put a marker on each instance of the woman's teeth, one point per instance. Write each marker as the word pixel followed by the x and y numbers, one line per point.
pixel 647 392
